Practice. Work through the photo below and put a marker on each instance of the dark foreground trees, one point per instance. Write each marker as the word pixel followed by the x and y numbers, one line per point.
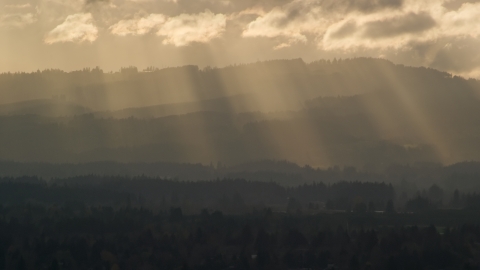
pixel 134 238
pixel 95 222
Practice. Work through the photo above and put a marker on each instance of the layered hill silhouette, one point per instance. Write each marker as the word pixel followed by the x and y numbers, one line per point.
pixel 285 82
pixel 237 103
pixel 43 107
pixel 362 112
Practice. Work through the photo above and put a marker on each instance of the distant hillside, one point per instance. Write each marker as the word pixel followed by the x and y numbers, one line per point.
pixel 275 85
pixel 446 118
pixel 363 112
pixel 43 107
pixel 409 178
pixel 231 104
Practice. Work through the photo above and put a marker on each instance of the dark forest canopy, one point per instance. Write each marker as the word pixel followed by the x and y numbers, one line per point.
pixel 76 236
pixel 228 195
pixel 233 196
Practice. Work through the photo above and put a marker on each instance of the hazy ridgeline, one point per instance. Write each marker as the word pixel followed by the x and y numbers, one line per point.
pixel 259 184
pixel 236 196
pixel 227 195
pixel 406 178
pixel 360 112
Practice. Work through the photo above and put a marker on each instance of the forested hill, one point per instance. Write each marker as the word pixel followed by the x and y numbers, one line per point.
pixel 276 85
pixel 360 112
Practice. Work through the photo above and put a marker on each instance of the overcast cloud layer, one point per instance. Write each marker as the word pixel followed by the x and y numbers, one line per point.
pixel 71 34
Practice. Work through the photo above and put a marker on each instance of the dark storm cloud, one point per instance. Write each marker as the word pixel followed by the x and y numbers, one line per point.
pixel 345 30
pixel 18 20
pixel 456 4
pixel 328 5
pixel 91 2
pixel 407 24
pixel 459 55
pixel 291 15
pixel 347 5
pixel 360 5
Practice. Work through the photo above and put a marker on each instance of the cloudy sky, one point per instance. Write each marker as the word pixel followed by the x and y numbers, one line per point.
pixel 73 34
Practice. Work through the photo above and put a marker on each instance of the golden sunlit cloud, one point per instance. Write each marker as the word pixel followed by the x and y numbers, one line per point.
pixel 140 26
pixel 18 20
pixel 75 28
pixel 291 22
pixel 463 22
pixel 20 6
pixel 396 28
pixel 187 28
pixel 180 30
pixel 419 30
pixel 395 32
pixel 399 29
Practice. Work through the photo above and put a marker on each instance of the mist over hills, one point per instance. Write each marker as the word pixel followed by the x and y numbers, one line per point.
pixel 237 103
pixel 361 112
pixel 43 107
pixel 285 83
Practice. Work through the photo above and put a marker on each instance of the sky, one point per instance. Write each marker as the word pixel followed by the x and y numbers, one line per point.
pixel 74 34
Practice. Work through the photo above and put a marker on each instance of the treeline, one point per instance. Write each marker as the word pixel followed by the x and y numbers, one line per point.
pixel 39 237
pixel 165 170
pixel 408 179
pixel 113 222
pixel 233 196
pixel 230 196
pixel 282 172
